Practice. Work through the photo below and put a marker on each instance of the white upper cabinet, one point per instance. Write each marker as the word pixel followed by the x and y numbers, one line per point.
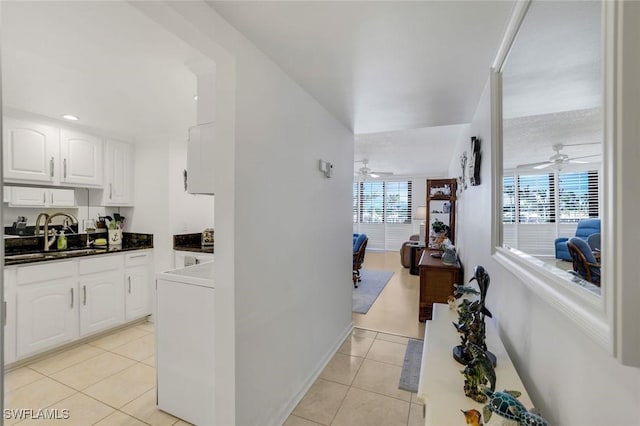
pixel 118 174
pixel 28 196
pixel 200 159
pixel 30 151
pixel 81 156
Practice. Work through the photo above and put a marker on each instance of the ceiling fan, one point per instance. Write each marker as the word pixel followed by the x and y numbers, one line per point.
pixel 559 159
pixel 365 171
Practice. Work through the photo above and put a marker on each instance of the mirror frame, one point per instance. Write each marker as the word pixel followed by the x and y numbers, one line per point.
pixel 609 319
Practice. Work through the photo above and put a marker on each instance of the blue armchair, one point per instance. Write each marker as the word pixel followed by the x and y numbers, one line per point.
pixel 585 228
pixel 359 248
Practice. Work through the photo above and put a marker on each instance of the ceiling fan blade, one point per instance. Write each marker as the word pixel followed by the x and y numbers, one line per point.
pixel 382 173
pixel 583 157
pixel 533 165
pixel 544 165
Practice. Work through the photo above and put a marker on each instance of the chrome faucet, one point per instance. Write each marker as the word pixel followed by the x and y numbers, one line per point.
pixel 48 242
pixel 40 216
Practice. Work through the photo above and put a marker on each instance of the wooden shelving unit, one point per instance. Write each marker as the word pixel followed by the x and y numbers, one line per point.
pixel 441 205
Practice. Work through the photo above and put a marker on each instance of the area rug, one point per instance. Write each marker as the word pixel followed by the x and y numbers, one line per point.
pixel 369 289
pixel 410 374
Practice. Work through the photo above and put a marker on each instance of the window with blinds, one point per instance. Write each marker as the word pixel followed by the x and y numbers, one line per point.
pixel 382 202
pixel 534 196
pixel 578 196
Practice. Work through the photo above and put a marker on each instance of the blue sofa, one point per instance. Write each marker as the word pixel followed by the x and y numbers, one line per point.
pixel 585 228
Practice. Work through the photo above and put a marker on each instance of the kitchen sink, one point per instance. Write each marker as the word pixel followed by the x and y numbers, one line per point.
pixel 52 255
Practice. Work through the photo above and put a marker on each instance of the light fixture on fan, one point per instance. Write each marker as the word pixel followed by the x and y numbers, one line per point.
pixel 559 159
pixel 365 171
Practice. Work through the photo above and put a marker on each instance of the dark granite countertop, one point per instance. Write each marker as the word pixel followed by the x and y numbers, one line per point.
pixel 190 242
pixel 30 249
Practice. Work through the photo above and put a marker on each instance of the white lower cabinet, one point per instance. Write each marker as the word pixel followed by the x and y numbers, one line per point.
pixel 9 313
pixel 52 303
pixel 46 305
pixel 101 293
pixel 137 285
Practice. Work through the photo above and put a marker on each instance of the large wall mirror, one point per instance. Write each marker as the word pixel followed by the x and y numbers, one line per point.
pixel 552 131
pixel 558 126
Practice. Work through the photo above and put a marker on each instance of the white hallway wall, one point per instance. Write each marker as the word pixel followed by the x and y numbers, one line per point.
pixel 572 380
pixel 293 234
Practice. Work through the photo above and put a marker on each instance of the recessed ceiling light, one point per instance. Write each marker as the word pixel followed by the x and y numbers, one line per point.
pixel 70 117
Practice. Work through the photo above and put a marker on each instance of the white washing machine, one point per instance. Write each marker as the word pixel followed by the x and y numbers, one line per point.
pixel 185 343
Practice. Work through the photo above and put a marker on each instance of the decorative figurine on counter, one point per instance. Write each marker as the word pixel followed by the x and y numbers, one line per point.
pixel 452 302
pixel 476 374
pixel 473 417
pixel 461 290
pixel 471 321
pixel 505 404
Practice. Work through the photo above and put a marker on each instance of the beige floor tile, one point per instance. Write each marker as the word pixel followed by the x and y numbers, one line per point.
pixel 20 377
pixel 415 415
pixel 415 399
pixel 395 311
pixel 60 361
pixel 299 421
pixel 138 349
pixel 81 411
pixel 356 346
pixel 119 419
pixel 124 386
pixel 321 402
pixel 393 338
pixel 183 423
pixel 144 408
pixel 389 352
pixel 361 407
pixel 39 394
pixel 361 332
pixel 149 327
pixel 119 338
pixel 93 370
pixel 381 378
pixel 342 368
pixel 151 361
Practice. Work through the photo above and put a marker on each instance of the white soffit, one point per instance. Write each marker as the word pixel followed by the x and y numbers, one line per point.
pixel 380 66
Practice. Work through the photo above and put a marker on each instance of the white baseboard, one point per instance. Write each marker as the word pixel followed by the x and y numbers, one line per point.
pixel 288 408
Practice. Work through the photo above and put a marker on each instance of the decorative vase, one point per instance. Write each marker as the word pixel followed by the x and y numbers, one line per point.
pixel 115 237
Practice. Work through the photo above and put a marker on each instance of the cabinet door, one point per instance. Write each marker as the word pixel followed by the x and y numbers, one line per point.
pixel 9 315
pixel 137 292
pixel 101 301
pixel 22 196
pixel 200 158
pixel 81 159
pixel 62 198
pixel 47 315
pixel 30 151
pixel 118 186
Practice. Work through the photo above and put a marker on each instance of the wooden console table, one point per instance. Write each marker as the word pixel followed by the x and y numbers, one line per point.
pixel 441 385
pixel 436 282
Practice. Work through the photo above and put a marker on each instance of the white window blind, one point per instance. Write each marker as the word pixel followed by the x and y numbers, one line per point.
pixel 382 202
pixel 578 196
pixel 397 202
pixel 508 199
pixel 535 198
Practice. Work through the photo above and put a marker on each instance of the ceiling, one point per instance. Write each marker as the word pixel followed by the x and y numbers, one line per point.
pixel 102 61
pixel 380 66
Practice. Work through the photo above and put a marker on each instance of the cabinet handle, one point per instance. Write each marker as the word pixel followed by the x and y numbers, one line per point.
pixel 110 191
pixel 137 255
pixel 64 168
pixel 51 197
pixel 4 313
pixel 51 164
pixel 44 197
pixel 129 278
pixel 72 298
pixel 197 260
pixel 84 296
